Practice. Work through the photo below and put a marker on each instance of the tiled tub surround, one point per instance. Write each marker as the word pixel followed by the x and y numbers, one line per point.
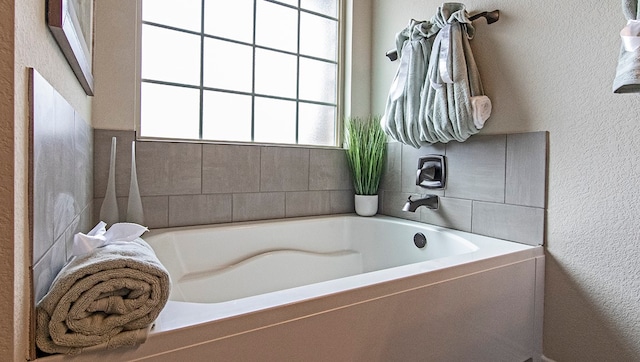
pixel 190 183
pixel 496 185
pixel 61 186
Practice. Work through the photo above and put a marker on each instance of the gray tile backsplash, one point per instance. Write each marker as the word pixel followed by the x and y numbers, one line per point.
pixel 199 209
pixel 83 183
pixel 391 178
pixel 156 211
pixel 496 185
pixel 190 184
pixel 43 149
pixel 258 206
pixel 47 267
pixel 284 169
pixel 342 201
pixel 307 203
pixel 229 169
pixel 61 198
pixel 476 168
pixel 328 170
pixel 168 168
pixel 452 213
pixel 526 165
pixel 512 222
pixel 65 207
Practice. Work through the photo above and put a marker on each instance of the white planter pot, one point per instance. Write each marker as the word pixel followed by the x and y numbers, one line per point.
pixel 366 205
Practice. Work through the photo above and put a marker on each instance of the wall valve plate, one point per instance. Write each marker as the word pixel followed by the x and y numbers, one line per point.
pixel 431 172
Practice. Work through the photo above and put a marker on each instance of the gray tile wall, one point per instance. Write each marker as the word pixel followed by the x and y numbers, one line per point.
pixel 189 184
pixel 61 180
pixel 496 185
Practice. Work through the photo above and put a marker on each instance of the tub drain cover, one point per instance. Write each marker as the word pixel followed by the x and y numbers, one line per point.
pixel 420 240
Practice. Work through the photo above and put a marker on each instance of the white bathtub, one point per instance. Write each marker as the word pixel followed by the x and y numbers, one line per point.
pixel 222 263
pixel 344 288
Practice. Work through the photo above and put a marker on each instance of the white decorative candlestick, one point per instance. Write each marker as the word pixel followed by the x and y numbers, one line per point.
pixel 109 210
pixel 134 205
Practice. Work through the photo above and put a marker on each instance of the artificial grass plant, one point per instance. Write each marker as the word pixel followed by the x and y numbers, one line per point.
pixel 366 146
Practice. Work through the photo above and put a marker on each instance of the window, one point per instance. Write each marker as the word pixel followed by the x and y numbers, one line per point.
pixel 242 71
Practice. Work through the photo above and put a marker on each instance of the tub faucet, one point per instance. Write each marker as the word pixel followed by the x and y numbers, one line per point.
pixel 429 201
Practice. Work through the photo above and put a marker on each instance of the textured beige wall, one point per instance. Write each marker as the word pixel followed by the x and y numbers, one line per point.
pixel 549 66
pixel 357 48
pixel 7 319
pixel 34 47
pixel 116 85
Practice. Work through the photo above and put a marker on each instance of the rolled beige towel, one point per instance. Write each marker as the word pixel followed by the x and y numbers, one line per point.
pixel 109 297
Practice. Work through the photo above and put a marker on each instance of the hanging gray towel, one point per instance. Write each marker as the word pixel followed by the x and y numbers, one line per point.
pixel 401 117
pixel 454 106
pixel 627 78
pixel 436 95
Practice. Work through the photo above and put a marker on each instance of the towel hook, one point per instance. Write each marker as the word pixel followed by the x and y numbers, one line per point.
pixel 491 16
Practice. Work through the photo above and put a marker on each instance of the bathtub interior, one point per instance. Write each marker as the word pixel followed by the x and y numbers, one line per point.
pixel 222 263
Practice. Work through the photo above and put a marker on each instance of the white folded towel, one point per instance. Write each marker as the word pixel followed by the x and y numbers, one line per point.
pixel 100 236
pixel 481 110
pixel 627 79
pixel 630 35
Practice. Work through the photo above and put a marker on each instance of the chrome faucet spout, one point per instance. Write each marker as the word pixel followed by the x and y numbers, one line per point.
pixel 429 201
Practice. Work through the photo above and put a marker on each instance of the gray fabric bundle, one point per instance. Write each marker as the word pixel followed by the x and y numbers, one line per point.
pixel 447 112
pixel 413 44
pixel 627 78
pixel 109 297
pixel 437 93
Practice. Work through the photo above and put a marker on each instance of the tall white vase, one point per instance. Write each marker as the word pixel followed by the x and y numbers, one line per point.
pixel 134 204
pixel 366 205
pixel 109 210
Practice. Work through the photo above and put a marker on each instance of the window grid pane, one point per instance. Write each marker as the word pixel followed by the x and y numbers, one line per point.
pixel 275 120
pixel 322 130
pixel 227 117
pixel 275 74
pixel 250 87
pixel 169 111
pixel 170 56
pixel 226 65
pixel 326 7
pixel 185 16
pixel 316 36
pixel 276 26
pixel 229 19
